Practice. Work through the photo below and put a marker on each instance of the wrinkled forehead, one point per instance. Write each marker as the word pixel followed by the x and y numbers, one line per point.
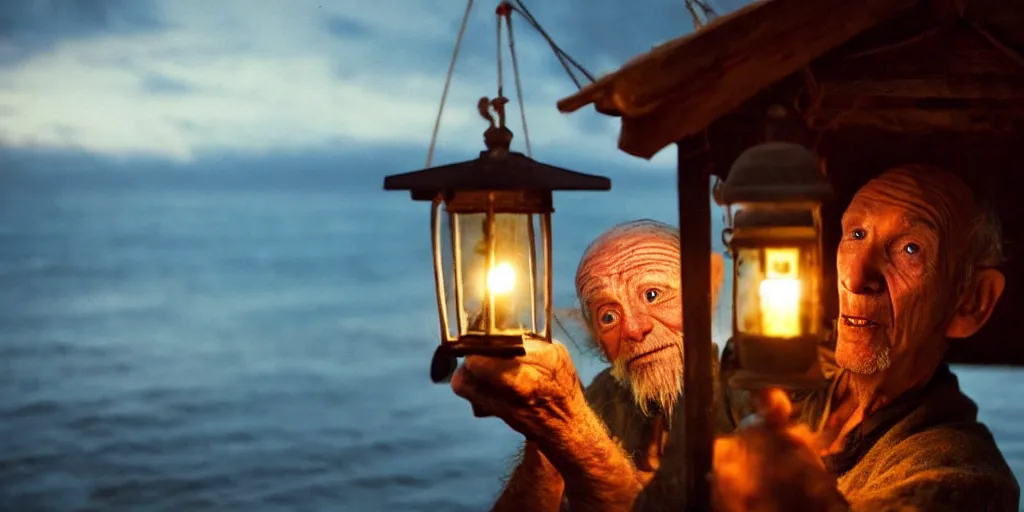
pixel 617 259
pixel 934 197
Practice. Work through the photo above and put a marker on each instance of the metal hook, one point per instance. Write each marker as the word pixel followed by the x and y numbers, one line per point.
pixel 727 241
pixel 716 191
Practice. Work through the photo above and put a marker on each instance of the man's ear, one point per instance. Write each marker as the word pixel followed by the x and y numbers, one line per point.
pixel 977 303
pixel 717 277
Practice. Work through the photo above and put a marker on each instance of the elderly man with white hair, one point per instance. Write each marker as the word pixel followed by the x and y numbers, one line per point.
pixel 625 425
pixel 919 268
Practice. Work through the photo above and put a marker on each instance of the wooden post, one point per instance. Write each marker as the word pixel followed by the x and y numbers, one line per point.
pixel 695 248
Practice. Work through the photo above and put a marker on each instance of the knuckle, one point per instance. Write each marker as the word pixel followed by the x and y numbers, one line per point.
pixel 471 364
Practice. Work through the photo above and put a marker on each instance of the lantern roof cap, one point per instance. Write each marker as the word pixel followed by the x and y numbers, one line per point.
pixel 498 170
pixel 776 172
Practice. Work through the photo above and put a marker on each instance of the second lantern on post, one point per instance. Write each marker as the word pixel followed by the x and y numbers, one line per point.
pixel 774 193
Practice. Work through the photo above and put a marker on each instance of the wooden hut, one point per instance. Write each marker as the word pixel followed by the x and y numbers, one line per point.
pixel 877 83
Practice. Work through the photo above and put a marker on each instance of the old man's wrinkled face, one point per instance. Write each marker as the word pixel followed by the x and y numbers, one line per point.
pixel 630 291
pixel 628 285
pixel 903 233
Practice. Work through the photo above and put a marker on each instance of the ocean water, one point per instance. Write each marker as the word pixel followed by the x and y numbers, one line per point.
pixel 201 342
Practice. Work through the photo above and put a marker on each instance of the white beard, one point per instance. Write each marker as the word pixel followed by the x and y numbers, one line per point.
pixel 657 384
pixel 851 362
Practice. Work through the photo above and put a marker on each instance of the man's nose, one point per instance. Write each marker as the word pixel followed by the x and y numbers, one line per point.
pixel 637 326
pixel 861 273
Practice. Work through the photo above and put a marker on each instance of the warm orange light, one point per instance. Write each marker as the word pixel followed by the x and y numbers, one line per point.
pixel 501 279
pixel 780 293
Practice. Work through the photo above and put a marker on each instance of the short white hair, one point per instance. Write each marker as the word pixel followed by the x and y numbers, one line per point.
pixel 648 227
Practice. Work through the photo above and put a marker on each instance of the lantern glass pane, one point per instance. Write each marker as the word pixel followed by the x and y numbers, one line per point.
pixel 497 292
pixel 447 250
pixel 775 291
pixel 539 238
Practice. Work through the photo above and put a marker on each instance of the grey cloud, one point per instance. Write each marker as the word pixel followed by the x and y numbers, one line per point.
pixel 164 85
pixel 600 36
pixel 345 28
pixel 35 25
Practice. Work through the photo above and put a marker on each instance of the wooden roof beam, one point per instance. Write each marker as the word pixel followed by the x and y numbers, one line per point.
pixel 680 87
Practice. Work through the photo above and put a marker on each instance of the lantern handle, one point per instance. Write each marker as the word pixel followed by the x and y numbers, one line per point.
pixel 497 137
pixel 482 106
pixel 499 107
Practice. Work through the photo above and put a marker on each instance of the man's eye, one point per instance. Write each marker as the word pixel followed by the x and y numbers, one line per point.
pixel 858 234
pixel 651 295
pixel 911 248
pixel 608 318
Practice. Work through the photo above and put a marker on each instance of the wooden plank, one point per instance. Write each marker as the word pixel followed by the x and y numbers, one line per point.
pixel 735 56
pixel 952 49
pixel 643 136
pixel 748 49
pixel 697 79
pixel 936 86
pixel 1003 18
pixel 695 251
pixel 921 120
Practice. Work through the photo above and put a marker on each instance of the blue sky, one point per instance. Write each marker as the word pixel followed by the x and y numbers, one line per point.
pixel 181 81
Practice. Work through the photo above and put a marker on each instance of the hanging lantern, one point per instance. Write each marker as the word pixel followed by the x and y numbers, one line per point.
pixel 773 196
pixel 491 227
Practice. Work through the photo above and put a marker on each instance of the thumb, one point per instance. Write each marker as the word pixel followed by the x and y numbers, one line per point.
pixel 773 406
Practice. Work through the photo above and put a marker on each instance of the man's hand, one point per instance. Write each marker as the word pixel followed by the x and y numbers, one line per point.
pixel 536 394
pixel 770 465
pixel 540 396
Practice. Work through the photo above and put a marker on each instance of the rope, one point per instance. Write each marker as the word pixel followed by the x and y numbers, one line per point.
pixel 558 53
pixel 697 23
pixel 563 58
pixel 448 82
pixel 708 12
pixel 501 79
pixel 519 86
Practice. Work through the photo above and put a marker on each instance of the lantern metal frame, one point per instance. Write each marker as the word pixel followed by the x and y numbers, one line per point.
pixel 779 189
pixel 457 203
pixel 498 182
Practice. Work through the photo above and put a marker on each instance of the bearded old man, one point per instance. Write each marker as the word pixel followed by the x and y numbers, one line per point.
pixel 625 423
pixel 918 265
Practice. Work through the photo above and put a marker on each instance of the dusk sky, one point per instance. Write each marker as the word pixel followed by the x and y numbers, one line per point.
pixel 183 80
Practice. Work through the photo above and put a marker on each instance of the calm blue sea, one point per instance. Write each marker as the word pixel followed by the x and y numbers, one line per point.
pixel 204 341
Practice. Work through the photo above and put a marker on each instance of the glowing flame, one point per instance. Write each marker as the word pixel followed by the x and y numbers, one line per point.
pixel 501 279
pixel 780 294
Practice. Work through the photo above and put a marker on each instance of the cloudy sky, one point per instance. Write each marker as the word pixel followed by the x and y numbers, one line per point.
pixel 186 80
